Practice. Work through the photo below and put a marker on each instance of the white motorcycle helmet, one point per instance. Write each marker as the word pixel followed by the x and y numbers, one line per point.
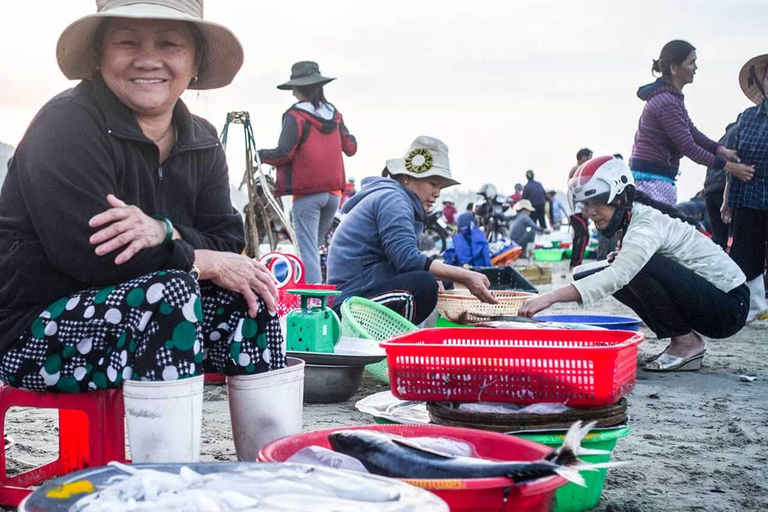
pixel 604 180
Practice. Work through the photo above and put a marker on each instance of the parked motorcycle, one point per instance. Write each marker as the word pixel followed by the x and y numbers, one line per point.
pixel 434 239
pixel 491 213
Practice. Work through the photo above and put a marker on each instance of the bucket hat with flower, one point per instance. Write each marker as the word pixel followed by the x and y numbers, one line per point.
pixel 426 157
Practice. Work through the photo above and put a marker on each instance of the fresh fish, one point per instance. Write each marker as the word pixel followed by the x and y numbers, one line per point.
pixel 279 487
pixel 385 455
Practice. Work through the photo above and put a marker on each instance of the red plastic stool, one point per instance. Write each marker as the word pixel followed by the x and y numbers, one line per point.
pixel 91 433
pixel 214 378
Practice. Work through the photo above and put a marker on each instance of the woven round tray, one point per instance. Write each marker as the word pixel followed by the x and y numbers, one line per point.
pixel 462 307
pixel 447 413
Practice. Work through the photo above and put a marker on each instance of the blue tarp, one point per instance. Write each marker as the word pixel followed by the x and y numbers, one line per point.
pixel 469 248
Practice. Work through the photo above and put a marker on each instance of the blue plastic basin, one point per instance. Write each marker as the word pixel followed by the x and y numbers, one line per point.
pixel 616 323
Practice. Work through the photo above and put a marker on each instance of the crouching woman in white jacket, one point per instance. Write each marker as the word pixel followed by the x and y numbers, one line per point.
pixel 679 282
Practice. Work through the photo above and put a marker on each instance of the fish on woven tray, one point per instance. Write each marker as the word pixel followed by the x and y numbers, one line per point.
pixel 398 457
pixel 463 308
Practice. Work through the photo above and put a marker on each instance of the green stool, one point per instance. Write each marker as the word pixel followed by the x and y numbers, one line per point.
pixel 312 328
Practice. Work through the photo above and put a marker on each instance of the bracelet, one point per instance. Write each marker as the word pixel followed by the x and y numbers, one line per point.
pixel 195 272
pixel 168 228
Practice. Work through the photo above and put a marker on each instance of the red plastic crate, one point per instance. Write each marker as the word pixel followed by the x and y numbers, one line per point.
pixel 577 367
pixel 462 495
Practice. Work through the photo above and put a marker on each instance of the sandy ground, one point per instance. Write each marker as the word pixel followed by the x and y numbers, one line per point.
pixel 699 440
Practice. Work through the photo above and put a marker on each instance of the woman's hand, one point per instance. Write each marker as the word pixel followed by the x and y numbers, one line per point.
pixel 725 213
pixel 567 293
pixel 535 304
pixel 728 154
pixel 478 285
pixel 240 274
pixel 125 225
pixel 612 256
pixel 743 172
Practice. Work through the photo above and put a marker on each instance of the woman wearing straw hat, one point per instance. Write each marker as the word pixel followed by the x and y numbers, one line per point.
pixel 309 162
pixel 374 252
pixel 121 262
pixel 746 202
pixel 665 133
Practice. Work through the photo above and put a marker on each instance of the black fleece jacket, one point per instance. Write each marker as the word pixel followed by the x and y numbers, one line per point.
pixel 81 146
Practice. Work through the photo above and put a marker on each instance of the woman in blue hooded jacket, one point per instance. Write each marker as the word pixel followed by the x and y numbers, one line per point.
pixel 374 252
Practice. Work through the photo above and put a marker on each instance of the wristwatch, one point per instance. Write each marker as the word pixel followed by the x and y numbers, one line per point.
pixel 195 272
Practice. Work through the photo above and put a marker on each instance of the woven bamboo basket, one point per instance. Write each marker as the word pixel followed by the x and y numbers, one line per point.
pixel 462 307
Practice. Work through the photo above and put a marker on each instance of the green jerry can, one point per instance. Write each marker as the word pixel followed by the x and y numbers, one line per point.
pixel 313 328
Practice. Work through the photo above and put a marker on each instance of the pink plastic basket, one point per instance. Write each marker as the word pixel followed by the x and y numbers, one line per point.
pixel 575 367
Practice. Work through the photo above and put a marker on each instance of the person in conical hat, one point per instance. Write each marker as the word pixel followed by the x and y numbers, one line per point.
pixel 121 262
pixel 374 252
pixel 746 203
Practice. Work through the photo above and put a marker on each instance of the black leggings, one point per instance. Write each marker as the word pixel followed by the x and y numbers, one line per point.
pixel 719 233
pixel 162 326
pixel 412 295
pixel 673 300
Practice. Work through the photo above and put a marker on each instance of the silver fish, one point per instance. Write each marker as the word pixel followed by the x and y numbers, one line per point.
pixel 385 455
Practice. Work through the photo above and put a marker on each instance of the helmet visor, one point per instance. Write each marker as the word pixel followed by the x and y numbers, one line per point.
pixel 584 189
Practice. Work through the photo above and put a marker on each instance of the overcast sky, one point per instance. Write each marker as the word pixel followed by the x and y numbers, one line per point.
pixel 508 85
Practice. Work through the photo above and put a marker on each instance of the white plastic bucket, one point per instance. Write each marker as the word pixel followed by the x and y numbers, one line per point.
pixel 164 419
pixel 265 407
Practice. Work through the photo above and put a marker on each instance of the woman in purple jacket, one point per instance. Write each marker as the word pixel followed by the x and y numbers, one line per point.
pixel 665 133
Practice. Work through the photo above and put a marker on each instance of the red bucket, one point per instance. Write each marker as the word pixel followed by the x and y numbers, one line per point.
pixel 477 494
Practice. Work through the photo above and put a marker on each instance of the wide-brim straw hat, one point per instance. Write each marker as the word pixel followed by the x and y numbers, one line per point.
pixel 426 157
pixel 222 54
pixel 524 204
pixel 304 73
pixel 752 78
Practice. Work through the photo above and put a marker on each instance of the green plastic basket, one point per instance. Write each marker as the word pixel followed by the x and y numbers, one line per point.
pixel 548 254
pixel 444 322
pixel 363 318
pixel 571 497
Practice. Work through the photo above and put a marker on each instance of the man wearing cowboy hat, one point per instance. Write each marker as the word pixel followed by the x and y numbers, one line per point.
pixel 309 161
pixel 524 229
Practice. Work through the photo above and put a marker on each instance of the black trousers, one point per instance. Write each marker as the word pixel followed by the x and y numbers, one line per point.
pixel 719 228
pixel 673 300
pixel 750 235
pixel 539 215
pixel 580 238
